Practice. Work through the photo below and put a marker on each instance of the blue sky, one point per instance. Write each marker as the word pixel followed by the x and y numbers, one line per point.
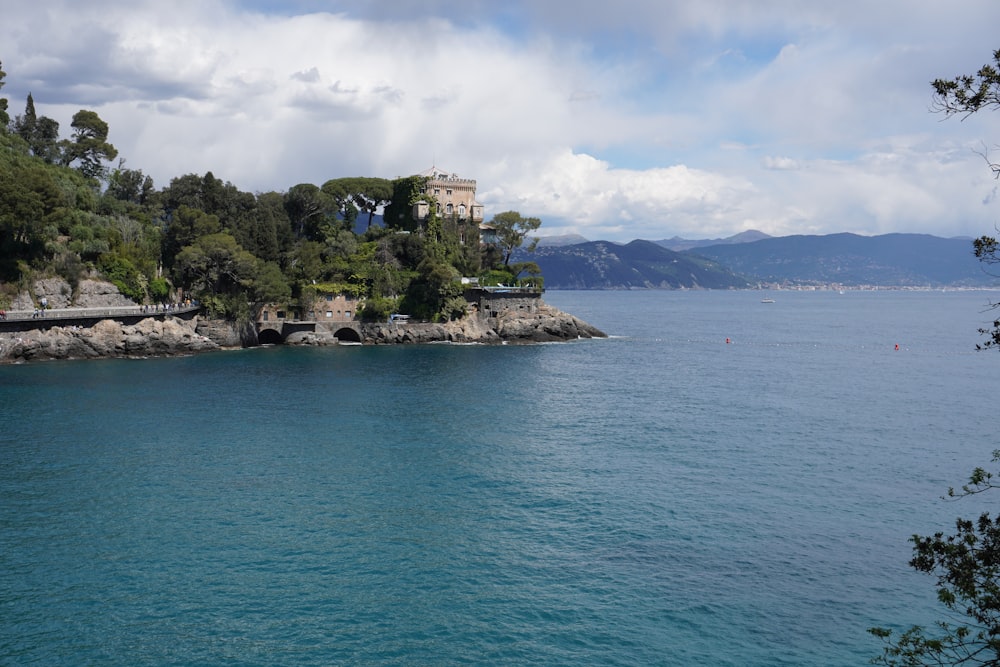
pixel 634 119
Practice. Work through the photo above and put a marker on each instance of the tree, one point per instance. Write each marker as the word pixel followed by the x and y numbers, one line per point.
pixel 187 225
pixel 965 95
pixel 30 199
pixel 216 265
pixel 967 567
pixel 308 207
pixel 41 134
pixel 368 194
pixel 511 230
pixel 24 125
pixel 4 116
pixel 90 147
pixel 129 185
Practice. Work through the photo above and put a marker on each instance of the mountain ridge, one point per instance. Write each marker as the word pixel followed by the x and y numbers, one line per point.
pixel 754 259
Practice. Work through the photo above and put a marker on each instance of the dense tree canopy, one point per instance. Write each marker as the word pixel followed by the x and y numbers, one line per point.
pixel 64 212
pixel 41 134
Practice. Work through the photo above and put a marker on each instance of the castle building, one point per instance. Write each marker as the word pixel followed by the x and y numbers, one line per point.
pixel 455 197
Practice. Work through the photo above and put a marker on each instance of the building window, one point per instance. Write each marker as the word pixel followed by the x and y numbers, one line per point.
pixel 329 297
pixel 448 209
pixel 281 314
pixel 437 192
pixel 448 192
pixel 461 210
pixel 329 313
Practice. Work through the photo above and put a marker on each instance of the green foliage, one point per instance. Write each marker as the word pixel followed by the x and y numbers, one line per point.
pixel 30 202
pixel 269 285
pixel 4 117
pixel 130 185
pixel 378 309
pixel 398 213
pixel 123 274
pixel 349 289
pixel 511 230
pixel 188 225
pixel 454 308
pixel 496 277
pixel 966 95
pixel 309 210
pixel 967 566
pixel 531 268
pixel 427 295
pixel 41 134
pixel 159 289
pixel 231 249
pixel 68 266
pixel 367 194
pixel 215 264
pixel 90 147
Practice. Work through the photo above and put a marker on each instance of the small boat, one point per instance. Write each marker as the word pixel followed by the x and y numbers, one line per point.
pixel 767 300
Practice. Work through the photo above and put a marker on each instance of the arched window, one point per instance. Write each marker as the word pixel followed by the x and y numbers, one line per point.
pixel 448 209
pixel 461 210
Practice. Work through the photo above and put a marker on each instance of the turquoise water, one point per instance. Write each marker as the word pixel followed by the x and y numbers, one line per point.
pixel 661 497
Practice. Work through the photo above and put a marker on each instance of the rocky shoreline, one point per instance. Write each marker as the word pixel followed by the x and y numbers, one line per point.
pixel 172 336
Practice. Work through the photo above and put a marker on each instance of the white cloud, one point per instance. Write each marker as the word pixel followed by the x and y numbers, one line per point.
pixel 638 119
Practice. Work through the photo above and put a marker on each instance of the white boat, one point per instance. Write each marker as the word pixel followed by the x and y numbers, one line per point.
pixel 767 300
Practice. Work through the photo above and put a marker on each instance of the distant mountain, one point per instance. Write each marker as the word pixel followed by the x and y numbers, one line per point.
pixel 639 264
pixel 890 260
pixel 679 244
pixel 565 239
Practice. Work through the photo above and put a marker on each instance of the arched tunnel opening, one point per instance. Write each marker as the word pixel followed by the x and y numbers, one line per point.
pixel 269 337
pixel 348 335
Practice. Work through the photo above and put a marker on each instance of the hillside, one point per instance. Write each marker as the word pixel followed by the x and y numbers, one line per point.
pixel 636 265
pixel 905 260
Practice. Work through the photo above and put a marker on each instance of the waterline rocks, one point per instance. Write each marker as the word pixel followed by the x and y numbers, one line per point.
pixel 108 338
pixel 542 324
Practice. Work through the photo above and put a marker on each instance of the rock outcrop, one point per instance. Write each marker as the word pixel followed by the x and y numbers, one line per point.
pixel 223 333
pixel 58 294
pixel 108 338
pixel 544 324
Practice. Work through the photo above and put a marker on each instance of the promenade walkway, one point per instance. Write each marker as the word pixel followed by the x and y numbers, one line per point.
pixel 105 312
pixel 28 320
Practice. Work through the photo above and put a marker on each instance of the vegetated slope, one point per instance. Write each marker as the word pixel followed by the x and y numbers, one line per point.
pixel 903 260
pixel 636 265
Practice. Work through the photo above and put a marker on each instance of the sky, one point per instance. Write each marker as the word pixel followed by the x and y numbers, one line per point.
pixel 635 119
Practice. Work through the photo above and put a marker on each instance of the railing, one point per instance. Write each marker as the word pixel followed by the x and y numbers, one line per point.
pixel 503 289
pixel 50 314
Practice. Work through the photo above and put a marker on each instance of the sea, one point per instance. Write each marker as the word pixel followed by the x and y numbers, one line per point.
pixel 722 481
